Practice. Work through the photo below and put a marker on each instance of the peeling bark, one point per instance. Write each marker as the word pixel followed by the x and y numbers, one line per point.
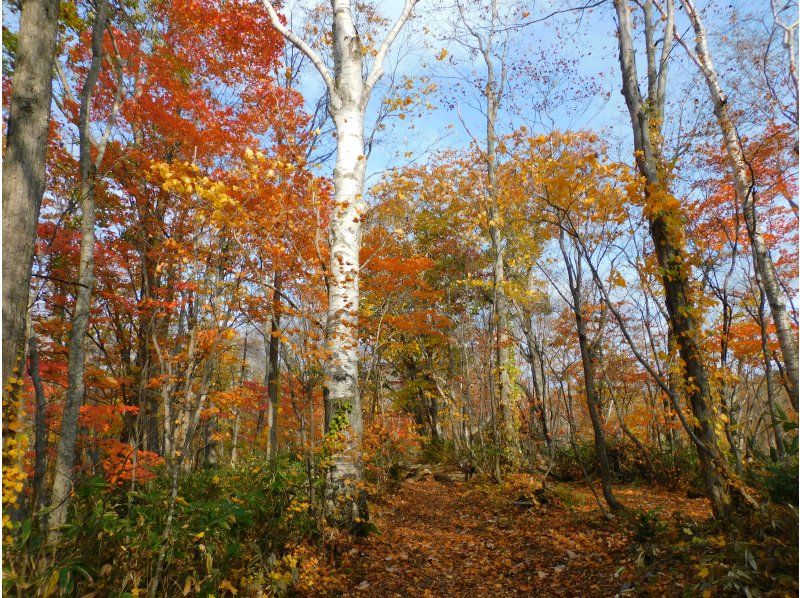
pixel 349 92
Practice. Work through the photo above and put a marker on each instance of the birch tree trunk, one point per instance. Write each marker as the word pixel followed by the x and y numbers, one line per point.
pixel 745 185
pixel 76 362
pixel 349 92
pixel 24 166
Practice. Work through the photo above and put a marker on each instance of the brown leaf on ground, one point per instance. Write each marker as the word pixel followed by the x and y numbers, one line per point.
pixel 471 540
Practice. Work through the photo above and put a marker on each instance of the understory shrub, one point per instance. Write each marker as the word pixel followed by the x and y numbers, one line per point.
pixel 779 478
pixel 388 442
pixel 628 464
pixel 242 529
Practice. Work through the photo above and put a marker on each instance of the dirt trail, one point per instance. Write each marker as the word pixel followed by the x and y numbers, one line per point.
pixel 468 540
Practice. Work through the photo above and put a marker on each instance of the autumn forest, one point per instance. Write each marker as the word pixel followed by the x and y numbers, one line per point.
pixel 404 298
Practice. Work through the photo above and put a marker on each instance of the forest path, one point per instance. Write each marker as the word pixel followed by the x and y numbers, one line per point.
pixel 471 540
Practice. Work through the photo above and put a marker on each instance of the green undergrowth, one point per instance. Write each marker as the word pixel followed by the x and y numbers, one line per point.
pixel 233 527
pixel 758 558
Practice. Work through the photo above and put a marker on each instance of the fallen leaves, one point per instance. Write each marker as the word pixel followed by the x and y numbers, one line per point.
pixel 470 540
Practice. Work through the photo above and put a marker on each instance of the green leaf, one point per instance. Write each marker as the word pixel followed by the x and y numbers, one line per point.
pixel 66 581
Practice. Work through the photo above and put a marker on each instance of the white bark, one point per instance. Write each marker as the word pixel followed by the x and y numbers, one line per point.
pixel 790 44
pixel 349 92
pixel 745 185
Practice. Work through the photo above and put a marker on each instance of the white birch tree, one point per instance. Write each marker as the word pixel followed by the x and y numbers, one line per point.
pixel 745 186
pixel 349 87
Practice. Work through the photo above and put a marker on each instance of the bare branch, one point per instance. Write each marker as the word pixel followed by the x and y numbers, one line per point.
pixel 377 67
pixel 301 45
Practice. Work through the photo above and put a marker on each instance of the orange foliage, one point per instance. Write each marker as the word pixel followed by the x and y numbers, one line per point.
pixel 123 464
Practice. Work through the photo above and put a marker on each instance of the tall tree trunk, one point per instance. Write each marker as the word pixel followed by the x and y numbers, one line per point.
pixel 667 231
pixel 343 299
pixel 588 359
pixel 745 185
pixel 348 92
pixel 777 425
pixel 24 167
pixel 40 426
pixel 273 379
pixel 493 94
pixel 76 362
pixel 509 432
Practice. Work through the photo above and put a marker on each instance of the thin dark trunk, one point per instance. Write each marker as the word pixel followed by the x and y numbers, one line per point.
pixel 538 410
pixel 433 418
pixel 39 426
pixel 273 379
pixel 76 364
pixel 588 359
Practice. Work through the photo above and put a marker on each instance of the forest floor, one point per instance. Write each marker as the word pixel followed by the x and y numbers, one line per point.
pixel 458 539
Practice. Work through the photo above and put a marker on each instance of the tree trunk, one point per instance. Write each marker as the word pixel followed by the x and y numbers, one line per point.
pixel 509 433
pixel 274 371
pixel 667 232
pixel 588 360
pixel 538 408
pixel 343 299
pixel 745 185
pixel 76 363
pixel 24 167
pixel 348 92
pixel 505 405
pixel 435 426
pixel 265 406
pixel 777 425
pixel 40 427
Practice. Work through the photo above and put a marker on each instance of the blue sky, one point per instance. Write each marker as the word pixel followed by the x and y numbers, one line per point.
pixel 585 39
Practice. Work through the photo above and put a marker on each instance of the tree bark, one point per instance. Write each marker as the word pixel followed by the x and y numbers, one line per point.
pixel 76 363
pixel 777 429
pixel 349 92
pixel 745 185
pixel 538 408
pixel 273 388
pixel 39 426
pixel 493 93
pixel 588 359
pixel 24 167
pixel 667 232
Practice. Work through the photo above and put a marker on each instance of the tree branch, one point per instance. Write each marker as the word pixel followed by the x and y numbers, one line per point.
pixel 377 67
pixel 298 43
